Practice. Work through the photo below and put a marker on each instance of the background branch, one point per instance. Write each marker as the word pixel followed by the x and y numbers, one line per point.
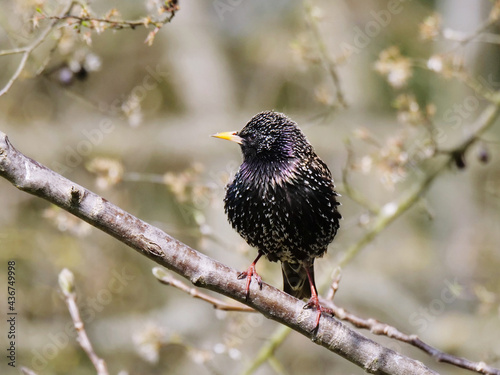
pixel 27 371
pixel 167 279
pixel 66 283
pixel 379 328
pixel 114 24
pixel 267 351
pixel 90 22
pixel 28 50
pixel 329 65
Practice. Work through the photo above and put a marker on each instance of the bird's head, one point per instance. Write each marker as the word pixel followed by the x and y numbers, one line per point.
pixel 269 136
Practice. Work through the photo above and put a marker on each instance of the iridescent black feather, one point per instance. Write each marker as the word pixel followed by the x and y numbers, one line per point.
pixel 282 200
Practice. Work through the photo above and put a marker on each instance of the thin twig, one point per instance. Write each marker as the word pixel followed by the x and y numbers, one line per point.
pixel 28 371
pixel 167 279
pixel 48 57
pixel 463 40
pixel 13 51
pixel 66 283
pixel 276 365
pixel 378 328
pixel 152 178
pixel 26 51
pixel 116 24
pixel 328 63
pixel 479 88
pixel 348 190
pixel 334 286
pixel 489 38
pixel 65 15
pixel 267 351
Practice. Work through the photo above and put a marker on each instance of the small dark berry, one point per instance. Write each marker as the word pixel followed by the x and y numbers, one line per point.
pixel 483 155
pixel 459 159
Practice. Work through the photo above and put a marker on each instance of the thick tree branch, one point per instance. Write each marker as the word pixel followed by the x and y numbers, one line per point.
pixel 34 178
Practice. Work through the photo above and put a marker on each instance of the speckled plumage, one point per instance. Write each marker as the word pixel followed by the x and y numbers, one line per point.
pixel 282 199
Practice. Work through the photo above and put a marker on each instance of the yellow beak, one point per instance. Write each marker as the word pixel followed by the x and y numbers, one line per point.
pixel 230 136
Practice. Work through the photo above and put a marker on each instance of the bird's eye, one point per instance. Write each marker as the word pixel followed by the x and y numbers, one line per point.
pixel 250 137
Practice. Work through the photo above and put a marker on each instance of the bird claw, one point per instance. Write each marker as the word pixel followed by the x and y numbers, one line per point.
pixel 259 280
pixel 248 275
pixel 309 305
pixel 314 303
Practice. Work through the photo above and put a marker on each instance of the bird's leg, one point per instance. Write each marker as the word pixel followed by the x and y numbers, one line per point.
pixel 314 302
pixel 249 273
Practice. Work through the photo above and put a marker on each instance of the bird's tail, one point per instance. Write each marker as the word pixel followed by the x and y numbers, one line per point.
pixel 295 281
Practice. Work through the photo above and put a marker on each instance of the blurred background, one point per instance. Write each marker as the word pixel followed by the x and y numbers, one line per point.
pixel 380 89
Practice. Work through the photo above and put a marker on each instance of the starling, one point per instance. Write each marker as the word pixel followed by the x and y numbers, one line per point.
pixel 282 201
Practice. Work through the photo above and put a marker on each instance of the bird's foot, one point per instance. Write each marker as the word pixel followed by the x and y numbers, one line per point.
pixel 314 303
pixel 248 275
